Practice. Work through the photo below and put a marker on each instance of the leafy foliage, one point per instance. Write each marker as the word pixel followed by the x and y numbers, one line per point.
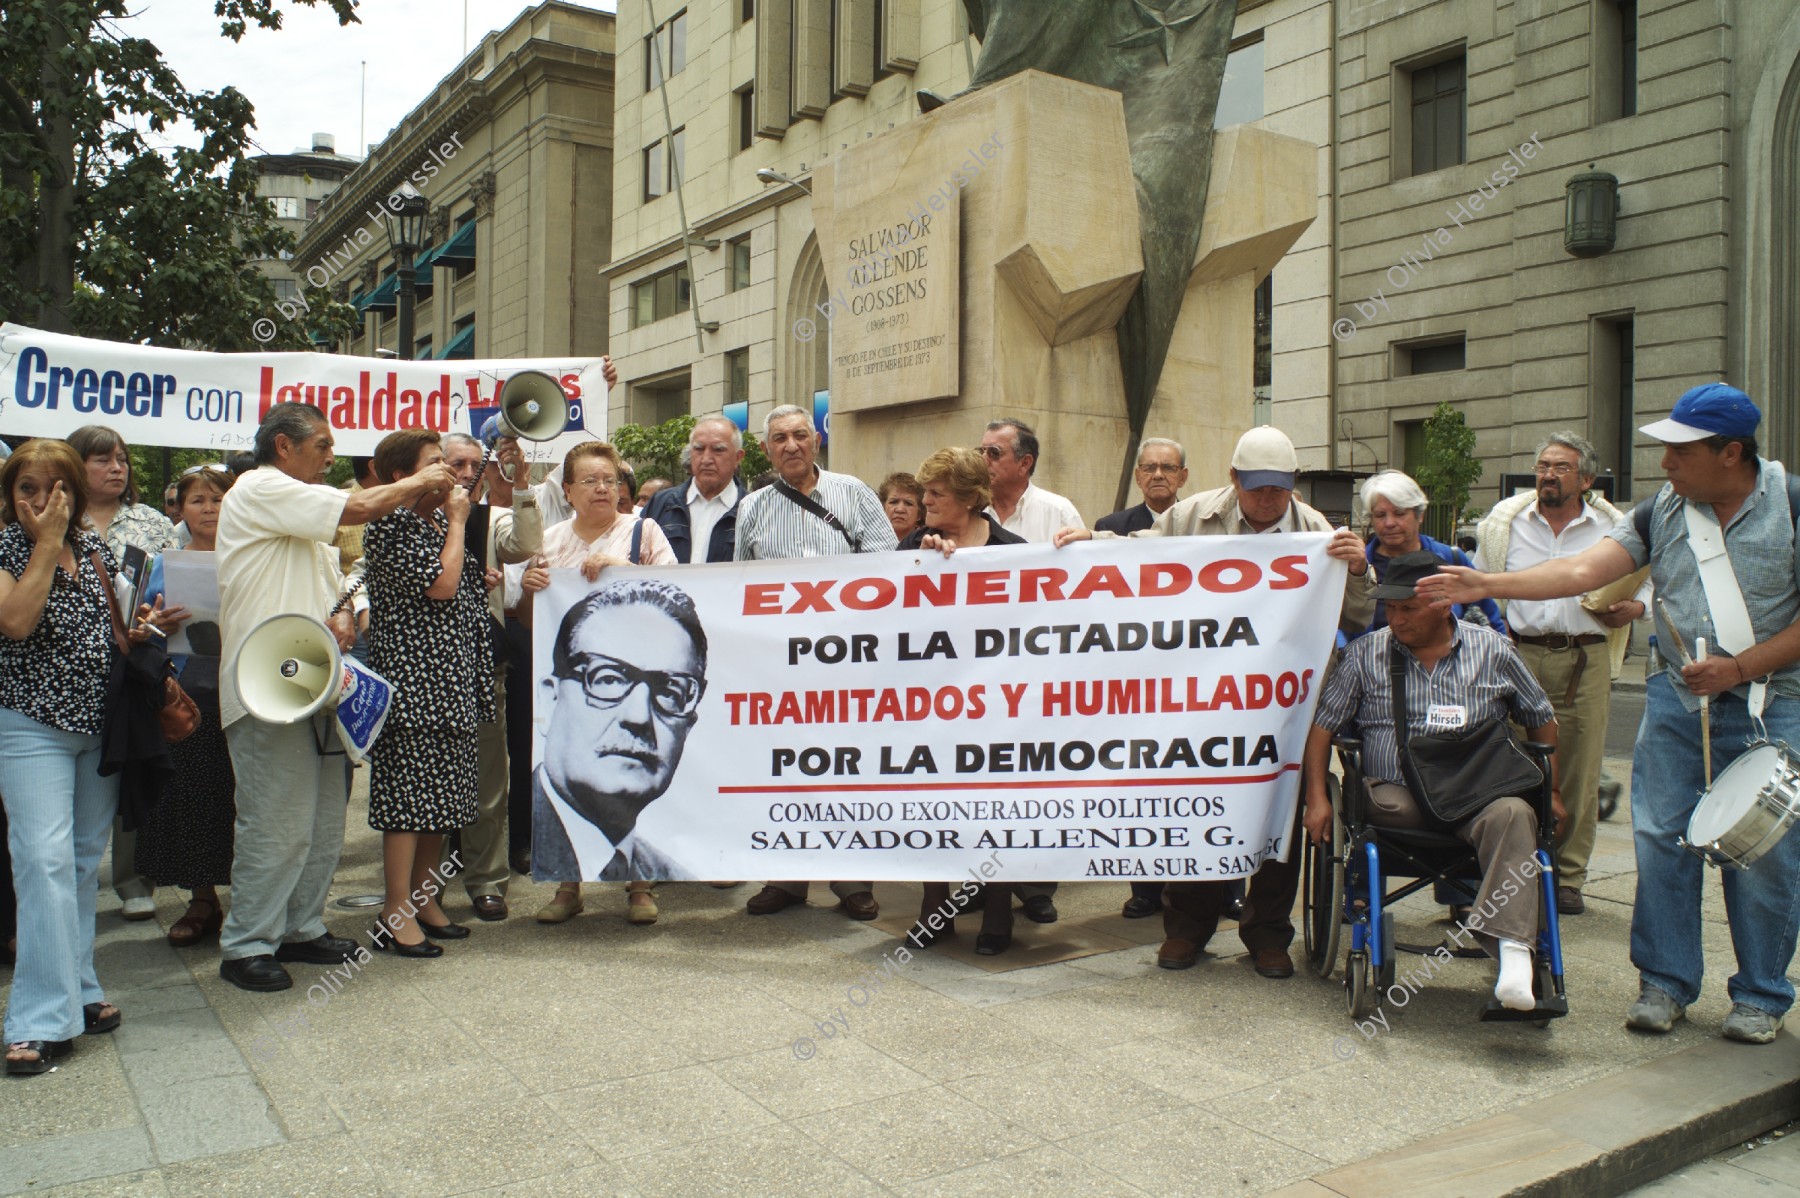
pixel 103 233
pixel 1451 467
pixel 655 450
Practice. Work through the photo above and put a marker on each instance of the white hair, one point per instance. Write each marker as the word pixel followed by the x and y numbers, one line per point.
pixel 1164 442
pixel 737 434
pixel 1397 488
pixel 782 413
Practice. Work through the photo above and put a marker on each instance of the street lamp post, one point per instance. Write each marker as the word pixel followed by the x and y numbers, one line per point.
pixel 406 214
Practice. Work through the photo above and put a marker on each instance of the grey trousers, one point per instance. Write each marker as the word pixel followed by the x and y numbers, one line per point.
pixel 128 883
pixel 1504 836
pixel 288 836
pixel 483 855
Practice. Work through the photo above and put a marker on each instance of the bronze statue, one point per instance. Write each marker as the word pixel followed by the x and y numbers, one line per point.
pixel 1167 59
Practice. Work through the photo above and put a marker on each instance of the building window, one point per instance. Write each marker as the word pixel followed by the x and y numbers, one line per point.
pixel 312 209
pixel 737 376
pixel 747 12
pixel 1262 369
pixel 660 296
pixel 740 262
pixel 1436 356
pixel 1241 93
pixel 286 207
pixel 1615 59
pixel 422 350
pixel 286 289
pixel 1612 405
pixel 1438 105
pixel 656 170
pixel 745 101
pixel 668 44
pixel 878 43
pixel 658 401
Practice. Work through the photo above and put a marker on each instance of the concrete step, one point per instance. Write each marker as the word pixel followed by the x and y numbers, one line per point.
pixel 1603 1138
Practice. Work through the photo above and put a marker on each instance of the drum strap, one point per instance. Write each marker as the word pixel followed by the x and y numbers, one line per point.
pixel 1724 598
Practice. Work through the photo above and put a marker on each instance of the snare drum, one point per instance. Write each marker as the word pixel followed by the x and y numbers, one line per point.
pixel 1748 808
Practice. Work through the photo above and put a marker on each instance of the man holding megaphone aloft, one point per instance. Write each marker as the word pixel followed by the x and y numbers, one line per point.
pixel 275 557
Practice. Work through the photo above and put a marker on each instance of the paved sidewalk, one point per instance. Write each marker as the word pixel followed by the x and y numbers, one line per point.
pixel 597 1058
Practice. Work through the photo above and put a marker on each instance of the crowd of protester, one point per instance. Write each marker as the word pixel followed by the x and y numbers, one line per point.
pixel 449 558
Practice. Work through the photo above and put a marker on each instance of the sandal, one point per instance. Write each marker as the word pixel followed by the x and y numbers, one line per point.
pixel 45 1054
pixel 191 929
pixel 640 907
pixel 565 906
pixel 97 1021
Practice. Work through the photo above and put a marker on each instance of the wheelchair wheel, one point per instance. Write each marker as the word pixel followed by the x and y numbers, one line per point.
pixel 1359 993
pixel 1322 901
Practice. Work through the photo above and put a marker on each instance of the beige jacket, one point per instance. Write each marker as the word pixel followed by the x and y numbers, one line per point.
pixel 1215 513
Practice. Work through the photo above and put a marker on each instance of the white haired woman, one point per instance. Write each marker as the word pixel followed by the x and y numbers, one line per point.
pixel 1396 505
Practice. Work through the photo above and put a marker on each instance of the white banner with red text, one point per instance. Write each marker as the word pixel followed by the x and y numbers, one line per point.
pixel 52 384
pixel 1134 708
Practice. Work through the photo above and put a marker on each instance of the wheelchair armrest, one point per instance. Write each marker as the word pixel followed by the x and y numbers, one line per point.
pixel 1540 752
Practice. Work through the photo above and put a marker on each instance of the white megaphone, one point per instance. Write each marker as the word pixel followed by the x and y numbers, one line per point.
pixel 532 407
pixel 289 668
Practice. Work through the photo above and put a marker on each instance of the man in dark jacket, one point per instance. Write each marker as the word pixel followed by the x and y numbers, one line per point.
pixel 700 519
pixel 1161 473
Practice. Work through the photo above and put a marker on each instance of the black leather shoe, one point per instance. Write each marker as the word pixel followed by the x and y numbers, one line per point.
pixel 1039 909
pixel 383 941
pixel 491 907
pixel 992 944
pixel 448 931
pixel 1139 908
pixel 261 973
pixel 321 950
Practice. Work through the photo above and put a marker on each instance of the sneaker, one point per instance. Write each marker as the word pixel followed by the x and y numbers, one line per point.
pixel 1654 1011
pixel 1750 1025
pixel 138 908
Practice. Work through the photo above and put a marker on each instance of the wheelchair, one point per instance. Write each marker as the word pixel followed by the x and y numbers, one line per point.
pixel 1344 883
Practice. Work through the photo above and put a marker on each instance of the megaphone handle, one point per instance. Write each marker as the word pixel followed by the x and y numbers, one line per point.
pixel 487 452
pixel 349 593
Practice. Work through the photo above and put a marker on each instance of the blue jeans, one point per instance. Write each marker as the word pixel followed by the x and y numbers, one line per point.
pixel 59 812
pixel 1762 904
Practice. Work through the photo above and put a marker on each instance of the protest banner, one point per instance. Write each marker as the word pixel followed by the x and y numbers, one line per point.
pixel 1122 709
pixel 52 384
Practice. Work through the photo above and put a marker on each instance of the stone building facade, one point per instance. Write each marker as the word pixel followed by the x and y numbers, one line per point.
pixel 513 150
pixel 298 185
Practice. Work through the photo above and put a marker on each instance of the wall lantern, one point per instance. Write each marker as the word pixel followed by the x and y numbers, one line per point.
pixel 1590 218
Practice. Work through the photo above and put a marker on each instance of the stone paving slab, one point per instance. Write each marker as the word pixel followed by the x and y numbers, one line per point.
pixel 716 1053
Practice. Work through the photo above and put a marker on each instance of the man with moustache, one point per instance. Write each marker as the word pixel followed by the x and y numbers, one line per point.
pixel 1719 539
pixel 1566 648
pixel 808 512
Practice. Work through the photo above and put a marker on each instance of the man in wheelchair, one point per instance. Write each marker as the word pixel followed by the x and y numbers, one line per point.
pixel 1457 676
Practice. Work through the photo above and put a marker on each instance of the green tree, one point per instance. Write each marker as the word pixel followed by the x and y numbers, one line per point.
pixel 105 235
pixel 1450 469
pixel 655 450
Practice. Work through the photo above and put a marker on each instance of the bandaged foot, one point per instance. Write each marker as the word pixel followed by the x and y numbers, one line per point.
pixel 1514 987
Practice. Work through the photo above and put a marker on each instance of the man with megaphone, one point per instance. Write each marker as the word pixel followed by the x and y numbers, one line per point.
pixel 275 558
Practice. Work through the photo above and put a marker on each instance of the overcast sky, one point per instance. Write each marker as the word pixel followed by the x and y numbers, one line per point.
pixel 308 77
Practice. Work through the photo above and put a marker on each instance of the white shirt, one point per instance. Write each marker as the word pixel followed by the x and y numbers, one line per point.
pixel 551 500
pixel 593 851
pixel 275 557
pixel 1533 543
pixel 704 515
pixel 1039 515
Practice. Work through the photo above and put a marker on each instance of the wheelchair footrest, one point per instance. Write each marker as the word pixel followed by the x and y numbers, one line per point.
pixel 1465 951
pixel 1554 1007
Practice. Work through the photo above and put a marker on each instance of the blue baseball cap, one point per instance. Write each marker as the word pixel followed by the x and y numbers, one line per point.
pixel 1709 410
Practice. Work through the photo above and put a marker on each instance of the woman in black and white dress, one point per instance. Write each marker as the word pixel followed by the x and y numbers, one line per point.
pixel 428 635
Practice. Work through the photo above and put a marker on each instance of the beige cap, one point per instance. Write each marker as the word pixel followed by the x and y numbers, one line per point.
pixel 1264 457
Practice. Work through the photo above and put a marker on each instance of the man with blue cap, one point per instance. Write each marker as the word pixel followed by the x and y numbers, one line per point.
pixel 1719 539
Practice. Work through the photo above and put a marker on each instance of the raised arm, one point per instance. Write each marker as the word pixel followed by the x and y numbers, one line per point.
pixel 372 503
pixel 1607 561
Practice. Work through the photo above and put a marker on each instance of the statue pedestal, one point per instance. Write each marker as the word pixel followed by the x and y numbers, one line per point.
pixel 979 258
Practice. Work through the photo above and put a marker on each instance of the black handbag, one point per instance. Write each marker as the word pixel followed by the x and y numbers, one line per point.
pixel 1453 775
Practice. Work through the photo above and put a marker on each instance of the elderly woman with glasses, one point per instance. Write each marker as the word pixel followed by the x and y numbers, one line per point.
pixel 428 635
pixel 599 534
pixel 955 487
pixel 1396 506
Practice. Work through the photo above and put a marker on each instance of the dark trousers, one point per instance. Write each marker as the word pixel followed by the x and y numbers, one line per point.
pixel 518 736
pixel 1191 910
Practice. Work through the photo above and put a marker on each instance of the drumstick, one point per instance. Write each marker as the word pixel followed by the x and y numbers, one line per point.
pixel 1705 717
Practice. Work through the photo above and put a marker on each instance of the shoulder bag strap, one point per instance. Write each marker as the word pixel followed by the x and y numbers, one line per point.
pixel 818 509
pixel 1402 725
pixel 112 606
pixel 636 555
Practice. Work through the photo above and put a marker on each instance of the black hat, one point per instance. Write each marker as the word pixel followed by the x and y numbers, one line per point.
pixel 1404 572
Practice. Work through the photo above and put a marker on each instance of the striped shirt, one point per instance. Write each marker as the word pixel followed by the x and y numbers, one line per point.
pixel 1481 678
pixel 1760 543
pixel 770 525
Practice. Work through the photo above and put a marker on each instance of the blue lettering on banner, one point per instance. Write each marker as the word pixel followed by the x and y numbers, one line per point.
pixel 38 384
pixel 363 709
